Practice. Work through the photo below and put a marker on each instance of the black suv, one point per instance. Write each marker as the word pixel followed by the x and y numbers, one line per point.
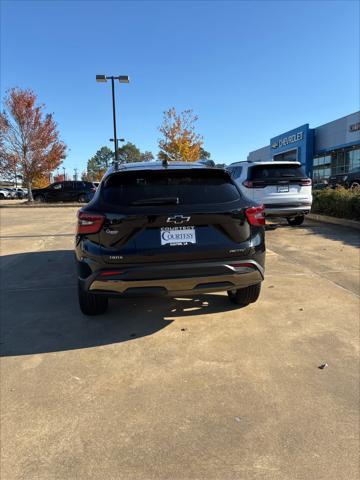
pixel 67 191
pixel 168 229
pixel 347 180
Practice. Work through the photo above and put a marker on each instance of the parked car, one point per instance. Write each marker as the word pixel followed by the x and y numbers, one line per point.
pixel 12 193
pixel 15 193
pixel 5 194
pixel 347 180
pixel 20 193
pixel 67 191
pixel 320 185
pixel 173 229
pixel 283 187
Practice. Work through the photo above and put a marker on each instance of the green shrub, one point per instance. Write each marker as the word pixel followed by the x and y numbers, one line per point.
pixel 337 203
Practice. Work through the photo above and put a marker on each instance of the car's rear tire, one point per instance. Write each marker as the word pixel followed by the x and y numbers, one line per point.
pixel 39 198
pixel 91 304
pixel 82 198
pixel 295 221
pixel 355 186
pixel 2 196
pixel 245 296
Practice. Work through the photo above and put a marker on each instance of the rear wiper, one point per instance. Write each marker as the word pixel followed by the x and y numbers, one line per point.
pixel 157 201
pixel 287 175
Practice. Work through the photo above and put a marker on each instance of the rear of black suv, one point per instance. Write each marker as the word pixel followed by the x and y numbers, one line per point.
pixel 168 230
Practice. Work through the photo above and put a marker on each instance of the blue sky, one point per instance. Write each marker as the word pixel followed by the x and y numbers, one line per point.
pixel 249 70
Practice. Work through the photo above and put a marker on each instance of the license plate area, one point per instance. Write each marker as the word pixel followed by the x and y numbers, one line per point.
pixel 282 188
pixel 177 236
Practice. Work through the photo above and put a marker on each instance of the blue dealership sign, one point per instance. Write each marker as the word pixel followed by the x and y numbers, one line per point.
pixel 299 139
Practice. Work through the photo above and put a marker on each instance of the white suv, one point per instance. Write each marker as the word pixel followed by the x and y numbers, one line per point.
pixel 5 193
pixel 283 187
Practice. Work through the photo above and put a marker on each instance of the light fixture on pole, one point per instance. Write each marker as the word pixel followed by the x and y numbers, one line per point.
pixel 122 79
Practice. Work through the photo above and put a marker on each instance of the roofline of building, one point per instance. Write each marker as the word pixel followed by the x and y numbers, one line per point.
pixel 337 119
pixel 262 162
pixel 337 147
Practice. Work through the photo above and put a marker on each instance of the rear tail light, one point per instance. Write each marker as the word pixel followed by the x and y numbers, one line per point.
pixel 256 215
pixel 252 184
pixel 248 184
pixel 109 273
pixel 89 222
pixel 305 181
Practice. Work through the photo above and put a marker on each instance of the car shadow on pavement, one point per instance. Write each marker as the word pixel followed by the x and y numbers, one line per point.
pixel 345 235
pixel 40 313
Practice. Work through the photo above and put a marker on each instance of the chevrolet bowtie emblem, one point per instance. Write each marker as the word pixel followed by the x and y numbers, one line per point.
pixel 178 219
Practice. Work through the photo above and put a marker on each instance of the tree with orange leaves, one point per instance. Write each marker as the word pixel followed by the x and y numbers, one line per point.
pixel 40 182
pixel 179 142
pixel 29 139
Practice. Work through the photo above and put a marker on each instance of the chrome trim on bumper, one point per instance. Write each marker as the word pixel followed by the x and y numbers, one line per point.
pixel 235 278
pixel 281 212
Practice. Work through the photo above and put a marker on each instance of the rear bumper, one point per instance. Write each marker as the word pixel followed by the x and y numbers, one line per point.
pixel 287 210
pixel 172 281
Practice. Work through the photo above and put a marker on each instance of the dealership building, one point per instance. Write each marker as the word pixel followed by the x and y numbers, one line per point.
pixel 330 149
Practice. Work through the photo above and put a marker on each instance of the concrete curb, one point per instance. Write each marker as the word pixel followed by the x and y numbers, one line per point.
pixel 334 220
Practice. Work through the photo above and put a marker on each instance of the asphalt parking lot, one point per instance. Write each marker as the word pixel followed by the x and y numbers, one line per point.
pixel 179 389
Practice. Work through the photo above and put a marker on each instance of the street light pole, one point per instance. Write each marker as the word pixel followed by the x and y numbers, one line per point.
pixel 122 79
pixel 114 120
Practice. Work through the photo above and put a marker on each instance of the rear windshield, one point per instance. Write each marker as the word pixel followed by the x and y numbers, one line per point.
pixel 264 172
pixel 169 187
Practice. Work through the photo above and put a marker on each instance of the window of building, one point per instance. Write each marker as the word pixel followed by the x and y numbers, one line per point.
pixel 353 158
pixel 339 162
pixel 287 156
pixel 324 160
pixel 321 168
pixel 321 173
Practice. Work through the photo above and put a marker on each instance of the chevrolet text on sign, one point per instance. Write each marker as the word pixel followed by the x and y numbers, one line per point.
pixel 287 140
